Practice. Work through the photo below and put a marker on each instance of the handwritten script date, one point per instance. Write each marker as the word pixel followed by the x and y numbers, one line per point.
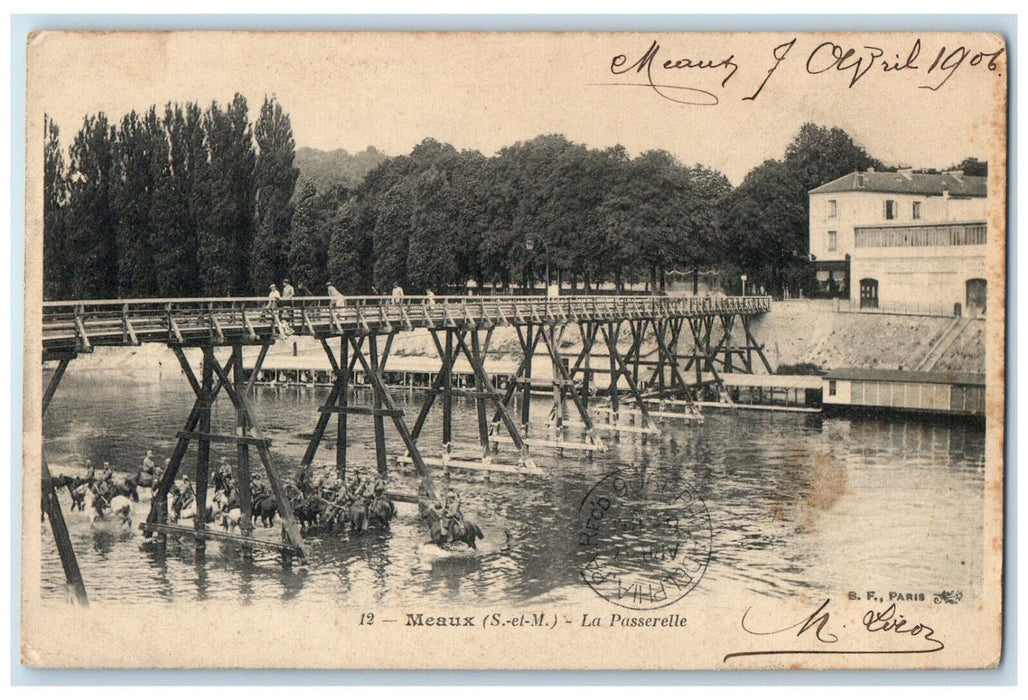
pixel 664 75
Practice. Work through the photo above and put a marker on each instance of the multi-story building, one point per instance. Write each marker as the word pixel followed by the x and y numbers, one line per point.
pixel 881 238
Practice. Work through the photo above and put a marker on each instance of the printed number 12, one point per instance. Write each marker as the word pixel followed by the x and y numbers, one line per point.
pixel 367 618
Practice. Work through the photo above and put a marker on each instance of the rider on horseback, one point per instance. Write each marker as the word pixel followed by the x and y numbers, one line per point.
pixel 101 499
pixel 187 493
pixel 304 479
pixel 453 518
pixel 225 473
pixel 105 486
pixel 378 487
pixel 258 489
pixel 146 472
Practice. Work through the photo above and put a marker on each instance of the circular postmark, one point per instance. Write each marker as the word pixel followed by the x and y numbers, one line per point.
pixel 645 538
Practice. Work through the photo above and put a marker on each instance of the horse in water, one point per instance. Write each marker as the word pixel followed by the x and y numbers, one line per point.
pixel 117 506
pixel 462 530
pixel 227 509
pixel 380 511
pixel 77 487
pixel 466 532
pixel 307 508
pixel 264 509
pixel 129 488
pixel 332 509
pixel 184 507
pixel 78 494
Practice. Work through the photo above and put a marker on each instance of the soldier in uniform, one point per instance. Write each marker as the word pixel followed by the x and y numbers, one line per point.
pixel 257 488
pixel 146 472
pixel 188 495
pixel 105 485
pixel 378 487
pixel 356 486
pixel 225 470
pixel 453 518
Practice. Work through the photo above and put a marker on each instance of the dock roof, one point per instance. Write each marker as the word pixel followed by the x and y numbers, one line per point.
pixel 904 375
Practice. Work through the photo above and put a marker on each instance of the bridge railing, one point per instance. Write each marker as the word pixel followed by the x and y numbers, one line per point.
pixel 115 308
pixel 136 319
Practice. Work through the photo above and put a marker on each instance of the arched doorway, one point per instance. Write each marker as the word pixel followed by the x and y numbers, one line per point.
pixel 976 294
pixel 868 293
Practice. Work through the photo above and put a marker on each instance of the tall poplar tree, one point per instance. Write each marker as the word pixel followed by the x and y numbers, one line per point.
pixel 226 197
pixel 315 219
pixel 142 159
pixel 173 213
pixel 92 223
pixel 274 183
pixel 56 282
pixel 350 249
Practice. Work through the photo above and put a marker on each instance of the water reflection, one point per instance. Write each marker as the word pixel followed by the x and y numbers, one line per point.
pixel 797 502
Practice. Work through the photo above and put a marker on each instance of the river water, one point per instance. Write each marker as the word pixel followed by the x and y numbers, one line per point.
pixel 798 503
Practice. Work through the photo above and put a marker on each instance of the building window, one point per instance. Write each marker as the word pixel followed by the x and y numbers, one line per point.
pixel 921 235
pixel 831 387
pixel 833 208
pixel 917 210
pixel 833 240
pixel 890 208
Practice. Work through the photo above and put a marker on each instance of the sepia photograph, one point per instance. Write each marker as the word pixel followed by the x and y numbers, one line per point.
pixel 609 350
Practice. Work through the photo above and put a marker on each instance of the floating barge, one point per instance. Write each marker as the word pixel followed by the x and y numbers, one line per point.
pixel 770 392
pixel 954 394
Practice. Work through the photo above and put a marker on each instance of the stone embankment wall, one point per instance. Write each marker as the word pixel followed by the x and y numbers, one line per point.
pixel 798 332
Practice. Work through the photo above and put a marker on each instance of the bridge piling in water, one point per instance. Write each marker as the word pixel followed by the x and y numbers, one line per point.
pixel 198 428
pixel 52 506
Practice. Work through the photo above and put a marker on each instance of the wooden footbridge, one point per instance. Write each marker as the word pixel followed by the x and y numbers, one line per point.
pixel 695 339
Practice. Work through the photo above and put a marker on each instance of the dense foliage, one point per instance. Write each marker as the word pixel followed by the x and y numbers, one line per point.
pixel 196 201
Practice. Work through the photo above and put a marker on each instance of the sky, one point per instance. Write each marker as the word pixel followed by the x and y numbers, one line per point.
pixel 486 91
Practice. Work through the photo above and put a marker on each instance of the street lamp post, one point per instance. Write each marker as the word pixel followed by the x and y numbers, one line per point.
pixel 743 277
pixel 529 247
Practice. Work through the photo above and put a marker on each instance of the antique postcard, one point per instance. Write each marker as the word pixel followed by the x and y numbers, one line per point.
pixel 514 350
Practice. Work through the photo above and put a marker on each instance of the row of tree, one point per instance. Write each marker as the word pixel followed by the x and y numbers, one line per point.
pixel 438 217
pixel 185 203
pixel 198 202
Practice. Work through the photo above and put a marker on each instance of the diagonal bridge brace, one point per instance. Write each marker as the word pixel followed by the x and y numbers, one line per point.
pixel 197 427
pixel 620 369
pixel 484 385
pixel 52 506
pixel 567 387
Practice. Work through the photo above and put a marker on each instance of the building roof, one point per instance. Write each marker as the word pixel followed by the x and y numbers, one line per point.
pixel 906 182
pixel 903 375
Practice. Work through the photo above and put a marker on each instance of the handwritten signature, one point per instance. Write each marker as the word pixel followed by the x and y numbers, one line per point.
pixel 852 63
pixel 817 630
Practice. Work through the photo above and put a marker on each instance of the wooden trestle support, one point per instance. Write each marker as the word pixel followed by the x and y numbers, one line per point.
pixel 454 343
pixel 248 434
pixel 705 354
pixel 373 364
pixel 637 391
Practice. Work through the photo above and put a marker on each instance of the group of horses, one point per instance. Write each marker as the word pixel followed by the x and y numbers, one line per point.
pixel 104 501
pixel 319 506
pixel 333 506
pixel 315 507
